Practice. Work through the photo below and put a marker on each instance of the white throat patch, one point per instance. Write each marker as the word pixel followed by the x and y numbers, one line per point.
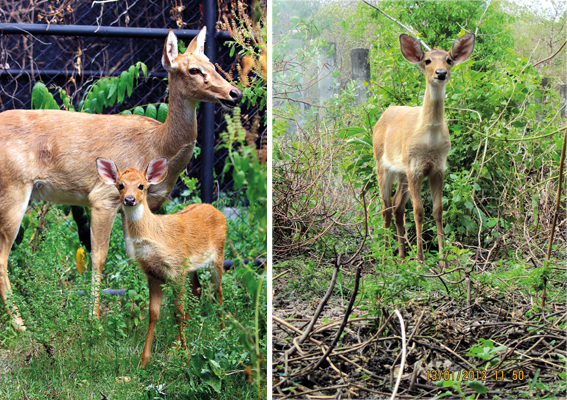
pixel 437 92
pixel 134 213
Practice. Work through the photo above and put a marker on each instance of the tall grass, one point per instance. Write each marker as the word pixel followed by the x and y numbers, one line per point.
pixel 66 354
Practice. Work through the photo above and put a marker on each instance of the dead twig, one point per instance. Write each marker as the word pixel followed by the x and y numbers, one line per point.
pixel 345 318
pixel 553 55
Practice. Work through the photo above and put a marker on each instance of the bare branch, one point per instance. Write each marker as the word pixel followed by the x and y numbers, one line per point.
pixel 550 57
pixel 409 29
pixel 481 17
pixel 403 362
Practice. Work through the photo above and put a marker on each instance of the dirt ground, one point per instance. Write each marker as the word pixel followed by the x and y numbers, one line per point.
pixel 440 334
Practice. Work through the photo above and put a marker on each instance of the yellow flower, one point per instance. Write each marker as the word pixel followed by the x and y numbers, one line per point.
pixel 80 260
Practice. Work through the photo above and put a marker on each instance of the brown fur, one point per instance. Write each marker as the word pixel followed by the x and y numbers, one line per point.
pixel 51 155
pixel 169 246
pixel 411 143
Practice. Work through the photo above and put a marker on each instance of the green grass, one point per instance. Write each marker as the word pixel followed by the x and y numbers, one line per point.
pixel 66 354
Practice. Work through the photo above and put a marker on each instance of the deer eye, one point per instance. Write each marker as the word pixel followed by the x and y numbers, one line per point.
pixel 141 187
pixel 120 186
pixel 194 71
pixel 427 62
pixel 449 61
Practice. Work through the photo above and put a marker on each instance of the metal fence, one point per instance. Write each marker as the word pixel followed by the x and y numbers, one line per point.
pixel 72 43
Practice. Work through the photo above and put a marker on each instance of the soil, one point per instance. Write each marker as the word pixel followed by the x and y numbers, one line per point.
pixel 440 333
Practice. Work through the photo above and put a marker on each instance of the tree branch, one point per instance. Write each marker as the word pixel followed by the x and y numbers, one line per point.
pixel 409 29
pixel 550 57
pixel 558 202
pixel 481 17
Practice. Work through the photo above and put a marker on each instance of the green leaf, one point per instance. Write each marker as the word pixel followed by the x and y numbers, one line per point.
pixel 139 111
pixel 477 387
pixel 239 178
pixel 120 93
pixel 144 69
pixel 94 91
pixel 444 383
pixel 94 104
pixel 151 111
pixel 112 89
pixel 101 100
pixel 200 366
pixel 37 95
pixel 130 86
pixel 132 73
pixel 162 112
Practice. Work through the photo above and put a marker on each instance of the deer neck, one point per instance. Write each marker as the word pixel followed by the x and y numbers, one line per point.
pixel 139 219
pixel 433 105
pixel 180 127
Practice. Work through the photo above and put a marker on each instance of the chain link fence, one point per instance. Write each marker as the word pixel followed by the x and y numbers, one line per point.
pixel 73 43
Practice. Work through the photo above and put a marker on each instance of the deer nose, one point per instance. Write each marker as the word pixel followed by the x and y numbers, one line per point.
pixel 235 95
pixel 441 74
pixel 129 200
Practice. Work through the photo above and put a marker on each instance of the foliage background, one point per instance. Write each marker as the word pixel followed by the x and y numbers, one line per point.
pixel 500 188
pixel 65 353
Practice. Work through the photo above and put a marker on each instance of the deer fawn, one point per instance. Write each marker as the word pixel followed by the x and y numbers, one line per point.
pixel 411 143
pixel 167 246
pixel 49 155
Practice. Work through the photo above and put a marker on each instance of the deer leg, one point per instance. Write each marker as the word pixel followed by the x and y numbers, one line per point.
pixel 13 205
pixel 385 181
pixel 414 183
pixel 129 245
pixel 101 226
pixel 400 199
pixel 217 281
pixel 156 297
pixel 180 315
pixel 179 299
pixel 436 183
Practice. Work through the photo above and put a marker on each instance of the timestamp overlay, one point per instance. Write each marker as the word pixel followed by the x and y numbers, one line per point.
pixel 475 375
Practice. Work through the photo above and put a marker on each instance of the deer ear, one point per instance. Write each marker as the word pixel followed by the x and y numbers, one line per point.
pixel 156 171
pixel 411 49
pixel 170 52
pixel 197 45
pixel 107 171
pixel 463 48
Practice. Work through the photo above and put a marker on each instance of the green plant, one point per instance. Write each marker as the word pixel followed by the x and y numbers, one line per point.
pixel 105 92
pixel 247 27
pixel 247 172
pixel 53 297
pixel 485 350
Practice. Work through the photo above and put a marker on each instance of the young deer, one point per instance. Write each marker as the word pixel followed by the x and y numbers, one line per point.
pixel 49 155
pixel 411 143
pixel 167 246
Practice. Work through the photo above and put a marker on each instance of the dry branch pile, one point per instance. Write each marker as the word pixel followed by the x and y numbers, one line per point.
pixel 310 200
pixel 439 338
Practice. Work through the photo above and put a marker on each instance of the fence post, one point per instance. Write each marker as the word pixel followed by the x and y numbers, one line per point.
pixel 207 139
pixel 360 69
pixel 563 101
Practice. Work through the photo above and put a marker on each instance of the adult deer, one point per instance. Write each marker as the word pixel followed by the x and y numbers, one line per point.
pixel 411 143
pixel 167 246
pixel 50 155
